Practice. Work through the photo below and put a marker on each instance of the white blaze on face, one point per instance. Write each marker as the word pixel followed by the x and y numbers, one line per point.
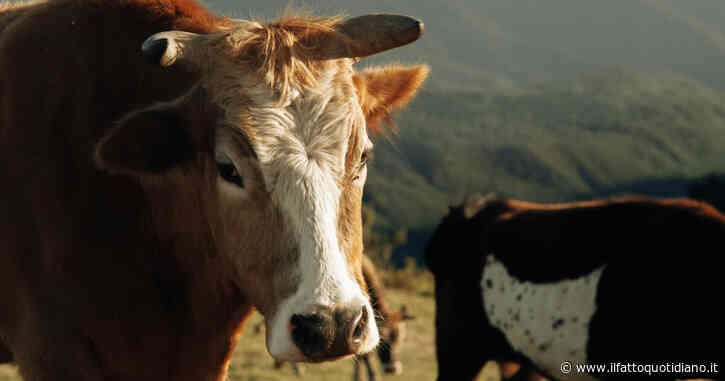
pixel 547 322
pixel 301 147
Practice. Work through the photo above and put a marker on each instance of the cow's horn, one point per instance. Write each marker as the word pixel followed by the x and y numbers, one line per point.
pixel 166 47
pixel 371 34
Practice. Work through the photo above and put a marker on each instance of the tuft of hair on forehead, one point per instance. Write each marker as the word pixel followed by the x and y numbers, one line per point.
pixel 286 50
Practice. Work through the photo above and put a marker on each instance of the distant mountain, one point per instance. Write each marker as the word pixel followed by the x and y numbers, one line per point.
pixel 474 44
pixel 581 138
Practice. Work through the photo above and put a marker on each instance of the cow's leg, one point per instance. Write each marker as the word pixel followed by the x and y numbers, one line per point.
pixel 356 375
pixel 297 368
pixel 511 370
pixel 369 366
pixel 5 355
pixel 461 330
pixel 519 371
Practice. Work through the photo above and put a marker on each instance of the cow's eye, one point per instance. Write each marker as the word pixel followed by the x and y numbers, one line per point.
pixel 364 159
pixel 229 173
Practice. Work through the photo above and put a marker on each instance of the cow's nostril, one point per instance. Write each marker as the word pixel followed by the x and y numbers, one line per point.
pixel 307 333
pixel 359 329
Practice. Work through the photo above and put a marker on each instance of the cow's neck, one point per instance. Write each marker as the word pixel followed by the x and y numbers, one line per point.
pixel 195 282
pixel 211 340
pixel 214 311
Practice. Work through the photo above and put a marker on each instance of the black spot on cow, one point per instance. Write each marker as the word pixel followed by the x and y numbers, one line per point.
pixel 574 319
pixel 518 297
pixel 544 347
pixel 557 323
pixel 489 283
pixel 516 317
pixel 527 332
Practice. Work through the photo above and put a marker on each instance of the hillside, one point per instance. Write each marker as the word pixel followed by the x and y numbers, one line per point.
pixel 609 132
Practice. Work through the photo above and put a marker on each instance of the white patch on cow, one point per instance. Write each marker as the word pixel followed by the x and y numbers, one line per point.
pixel 301 145
pixel 549 322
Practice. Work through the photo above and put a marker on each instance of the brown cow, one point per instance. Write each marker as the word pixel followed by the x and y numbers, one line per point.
pixel 165 170
pixel 392 326
pixel 627 280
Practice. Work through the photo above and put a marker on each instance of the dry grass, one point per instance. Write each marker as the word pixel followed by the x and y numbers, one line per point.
pixel 251 361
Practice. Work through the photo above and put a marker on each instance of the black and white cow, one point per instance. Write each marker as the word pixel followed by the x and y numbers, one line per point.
pixel 629 281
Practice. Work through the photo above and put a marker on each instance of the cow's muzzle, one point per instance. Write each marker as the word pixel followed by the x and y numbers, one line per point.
pixel 328 334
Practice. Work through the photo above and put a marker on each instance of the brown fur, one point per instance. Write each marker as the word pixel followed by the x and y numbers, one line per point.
pixel 94 229
pixel 517 206
pixel 379 95
pixel 284 51
pixel 123 270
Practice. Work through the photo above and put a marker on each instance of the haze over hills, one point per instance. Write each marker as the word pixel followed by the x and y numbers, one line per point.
pixel 586 136
pixel 474 44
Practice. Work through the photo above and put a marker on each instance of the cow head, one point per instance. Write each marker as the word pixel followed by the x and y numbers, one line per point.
pixel 392 336
pixel 272 143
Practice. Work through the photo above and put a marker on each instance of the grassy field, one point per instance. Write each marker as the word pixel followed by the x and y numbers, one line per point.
pixel 251 361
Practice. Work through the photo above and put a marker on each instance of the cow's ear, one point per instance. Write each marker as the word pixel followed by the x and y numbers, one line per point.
pixel 382 90
pixel 148 142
